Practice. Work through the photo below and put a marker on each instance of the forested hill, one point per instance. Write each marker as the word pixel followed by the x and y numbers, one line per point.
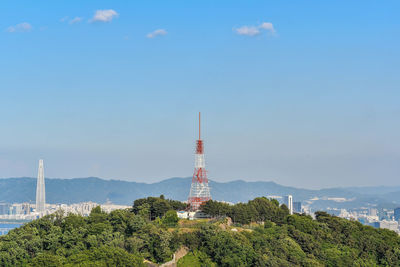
pixel 122 192
pixel 262 234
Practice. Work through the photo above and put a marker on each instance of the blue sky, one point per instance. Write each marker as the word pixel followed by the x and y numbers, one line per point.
pixel 304 93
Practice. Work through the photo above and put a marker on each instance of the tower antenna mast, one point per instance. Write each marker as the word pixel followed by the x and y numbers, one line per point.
pixel 199 190
pixel 199 128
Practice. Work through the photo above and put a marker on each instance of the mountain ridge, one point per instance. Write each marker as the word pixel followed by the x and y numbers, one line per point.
pixel 74 190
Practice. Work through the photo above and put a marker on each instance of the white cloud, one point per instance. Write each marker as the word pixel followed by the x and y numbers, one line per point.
pixel 75 20
pixel 22 27
pixel 105 15
pixel 246 30
pixel 256 30
pixel 267 26
pixel 156 33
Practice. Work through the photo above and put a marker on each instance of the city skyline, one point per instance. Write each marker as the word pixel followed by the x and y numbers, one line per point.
pixel 302 94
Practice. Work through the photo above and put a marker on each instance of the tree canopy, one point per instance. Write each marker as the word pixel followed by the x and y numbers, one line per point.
pixel 263 234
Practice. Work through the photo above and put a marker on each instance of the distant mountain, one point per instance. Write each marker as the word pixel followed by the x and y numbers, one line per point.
pixel 122 192
pixel 374 190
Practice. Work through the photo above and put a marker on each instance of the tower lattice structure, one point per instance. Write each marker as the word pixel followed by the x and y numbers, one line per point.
pixel 40 190
pixel 199 190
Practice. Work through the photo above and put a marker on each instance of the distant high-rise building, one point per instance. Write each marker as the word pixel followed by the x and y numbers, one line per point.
pixel 288 200
pixel 397 214
pixel 373 212
pixel 297 207
pixel 4 208
pixel 375 224
pixel 391 225
pixel 40 189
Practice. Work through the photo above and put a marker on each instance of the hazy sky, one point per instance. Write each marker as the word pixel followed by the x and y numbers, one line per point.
pixel 303 93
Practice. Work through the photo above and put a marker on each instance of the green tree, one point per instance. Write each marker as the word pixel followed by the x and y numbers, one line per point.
pixel 170 219
pixel 47 260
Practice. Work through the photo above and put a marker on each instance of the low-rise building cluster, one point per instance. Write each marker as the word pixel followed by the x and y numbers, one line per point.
pixel 27 211
pixel 378 218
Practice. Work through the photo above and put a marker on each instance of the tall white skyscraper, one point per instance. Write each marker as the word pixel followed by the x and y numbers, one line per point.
pixel 40 189
pixel 289 203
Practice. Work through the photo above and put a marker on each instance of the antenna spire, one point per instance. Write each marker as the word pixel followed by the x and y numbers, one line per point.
pixel 199 127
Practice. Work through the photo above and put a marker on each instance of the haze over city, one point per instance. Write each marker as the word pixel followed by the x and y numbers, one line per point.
pixel 305 94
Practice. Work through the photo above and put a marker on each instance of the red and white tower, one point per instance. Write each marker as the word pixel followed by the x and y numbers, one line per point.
pixel 199 191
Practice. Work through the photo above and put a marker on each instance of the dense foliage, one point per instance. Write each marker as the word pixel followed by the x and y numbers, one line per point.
pixel 156 207
pixel 258 210
pixel 120 238
pixel 263 234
